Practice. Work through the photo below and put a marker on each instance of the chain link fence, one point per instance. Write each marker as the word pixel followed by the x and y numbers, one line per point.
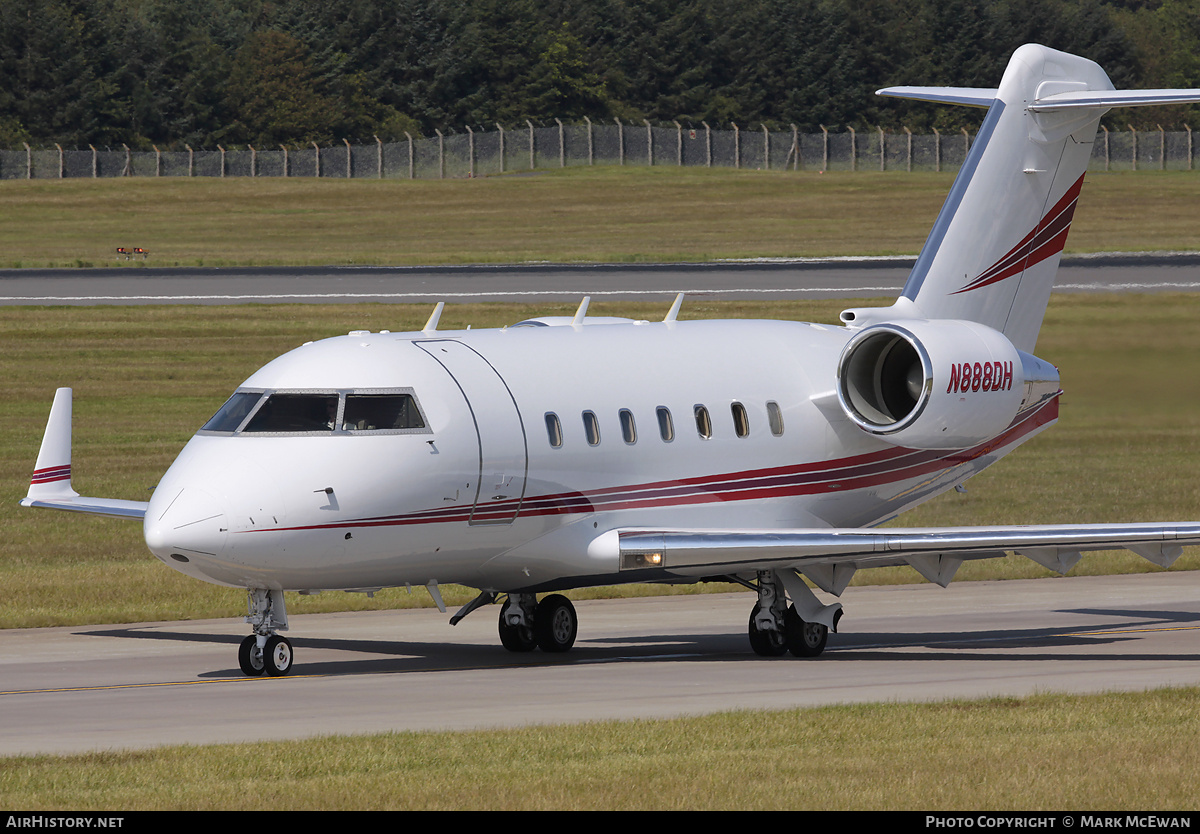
pixel 483 152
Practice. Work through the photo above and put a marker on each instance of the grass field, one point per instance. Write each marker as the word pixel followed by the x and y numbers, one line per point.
pixel 1136 752
pixel 1127 448
pixel 581 214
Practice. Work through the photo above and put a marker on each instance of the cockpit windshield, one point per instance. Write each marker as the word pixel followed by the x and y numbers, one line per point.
pixel 318 412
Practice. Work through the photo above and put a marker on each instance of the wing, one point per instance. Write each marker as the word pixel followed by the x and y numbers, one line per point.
pixel 50 486
pixel 829 557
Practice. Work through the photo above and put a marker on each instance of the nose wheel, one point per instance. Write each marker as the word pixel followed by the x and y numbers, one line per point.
pixel 264 651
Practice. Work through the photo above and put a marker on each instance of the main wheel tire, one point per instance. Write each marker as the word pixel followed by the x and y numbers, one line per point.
pixel 555 624
pixel 277 656
pixel 804 639
pixel 250 657
pixel 515 638
pixel 765 643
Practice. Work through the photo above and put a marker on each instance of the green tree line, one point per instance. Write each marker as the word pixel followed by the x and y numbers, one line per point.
pixel 269 72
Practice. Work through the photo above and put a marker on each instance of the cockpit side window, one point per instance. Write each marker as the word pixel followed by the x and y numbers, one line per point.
pixel 295 413
pixel 369 412
pixel 231 415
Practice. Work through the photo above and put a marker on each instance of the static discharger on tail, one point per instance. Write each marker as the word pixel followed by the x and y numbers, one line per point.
pixel 562 452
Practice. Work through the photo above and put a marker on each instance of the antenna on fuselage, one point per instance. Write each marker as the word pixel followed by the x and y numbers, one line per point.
pixel 674 311
pixel 581 313
pixel 431 325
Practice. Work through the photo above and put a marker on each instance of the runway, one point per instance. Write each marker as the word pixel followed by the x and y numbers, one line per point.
pixel 136 686
pixel 850 277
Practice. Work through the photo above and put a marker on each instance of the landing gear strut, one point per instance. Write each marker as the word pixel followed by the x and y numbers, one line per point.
pixel 264 651
pixel 777 628
pixel 549 625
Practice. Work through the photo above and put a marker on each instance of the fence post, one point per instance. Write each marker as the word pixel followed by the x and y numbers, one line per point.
pixel 1162 149
pixel 649 143
pixel 60 159
pixel 678 143
pixel 349 172
pixel 253 161
pixel 1102 127
pixel 737 146
pixel 966 143
pixel 29 161
pixel 501 129
pixel 707 145
pixel 1189 132
pixel 853 149
pixel 222 150
pixel 766 147
pixel 1134 154
pixel 589 124
pixel 95 162
pixel 824 148
pixel 562 145
pixel 157 161
pixel 441 154
pixel 411 163
pixel 191 160
pixel 378 157
pixel 620 140
pixel 470 152
pixel 127 171
pixel 908 154
pixel 285 160
pixel 937 151
pixel 796 148
pixel 882 150
pixel 531 148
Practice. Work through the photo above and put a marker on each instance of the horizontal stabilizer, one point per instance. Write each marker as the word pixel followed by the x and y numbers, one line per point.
pixel 968 96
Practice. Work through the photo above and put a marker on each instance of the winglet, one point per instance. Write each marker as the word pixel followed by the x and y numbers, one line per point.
pixel 674 311
pixel 52 472
pixel 435 317
pixel 50 486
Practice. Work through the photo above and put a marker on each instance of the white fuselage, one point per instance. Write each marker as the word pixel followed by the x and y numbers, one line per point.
pixel 490 493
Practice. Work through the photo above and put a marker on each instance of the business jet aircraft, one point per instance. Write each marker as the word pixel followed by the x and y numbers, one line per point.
pixel 566 452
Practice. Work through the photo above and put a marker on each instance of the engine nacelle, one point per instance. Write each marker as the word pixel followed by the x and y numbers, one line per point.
pixel 938 384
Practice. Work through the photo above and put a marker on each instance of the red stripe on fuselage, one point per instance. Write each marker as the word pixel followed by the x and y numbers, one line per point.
pixel 841 475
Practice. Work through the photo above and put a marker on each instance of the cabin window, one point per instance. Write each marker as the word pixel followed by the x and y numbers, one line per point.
pixel 231 415
pixel 591 428
pixel 703 422
pixel 375 412
pixel 666 426
pixel 741 420
pixel 554 430
pixel 295 413
pixel 775 418
pixel 628 427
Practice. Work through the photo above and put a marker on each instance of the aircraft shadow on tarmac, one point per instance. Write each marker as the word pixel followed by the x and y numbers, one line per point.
pixel 996 645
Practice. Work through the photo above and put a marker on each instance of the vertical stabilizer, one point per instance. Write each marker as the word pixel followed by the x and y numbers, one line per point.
pixel 52 472
pixel 994 250
pixel 995 247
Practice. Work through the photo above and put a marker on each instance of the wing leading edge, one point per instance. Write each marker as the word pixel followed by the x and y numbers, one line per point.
pixel 830 556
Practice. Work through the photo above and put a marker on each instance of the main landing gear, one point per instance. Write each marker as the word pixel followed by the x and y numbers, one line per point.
pixel 549 625
pixel 264 651
pixel 777 628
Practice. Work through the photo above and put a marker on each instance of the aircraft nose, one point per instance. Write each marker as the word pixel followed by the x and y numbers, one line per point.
pixel 187 525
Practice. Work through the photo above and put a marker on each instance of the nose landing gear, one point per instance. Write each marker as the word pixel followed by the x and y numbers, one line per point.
pixel 264 651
